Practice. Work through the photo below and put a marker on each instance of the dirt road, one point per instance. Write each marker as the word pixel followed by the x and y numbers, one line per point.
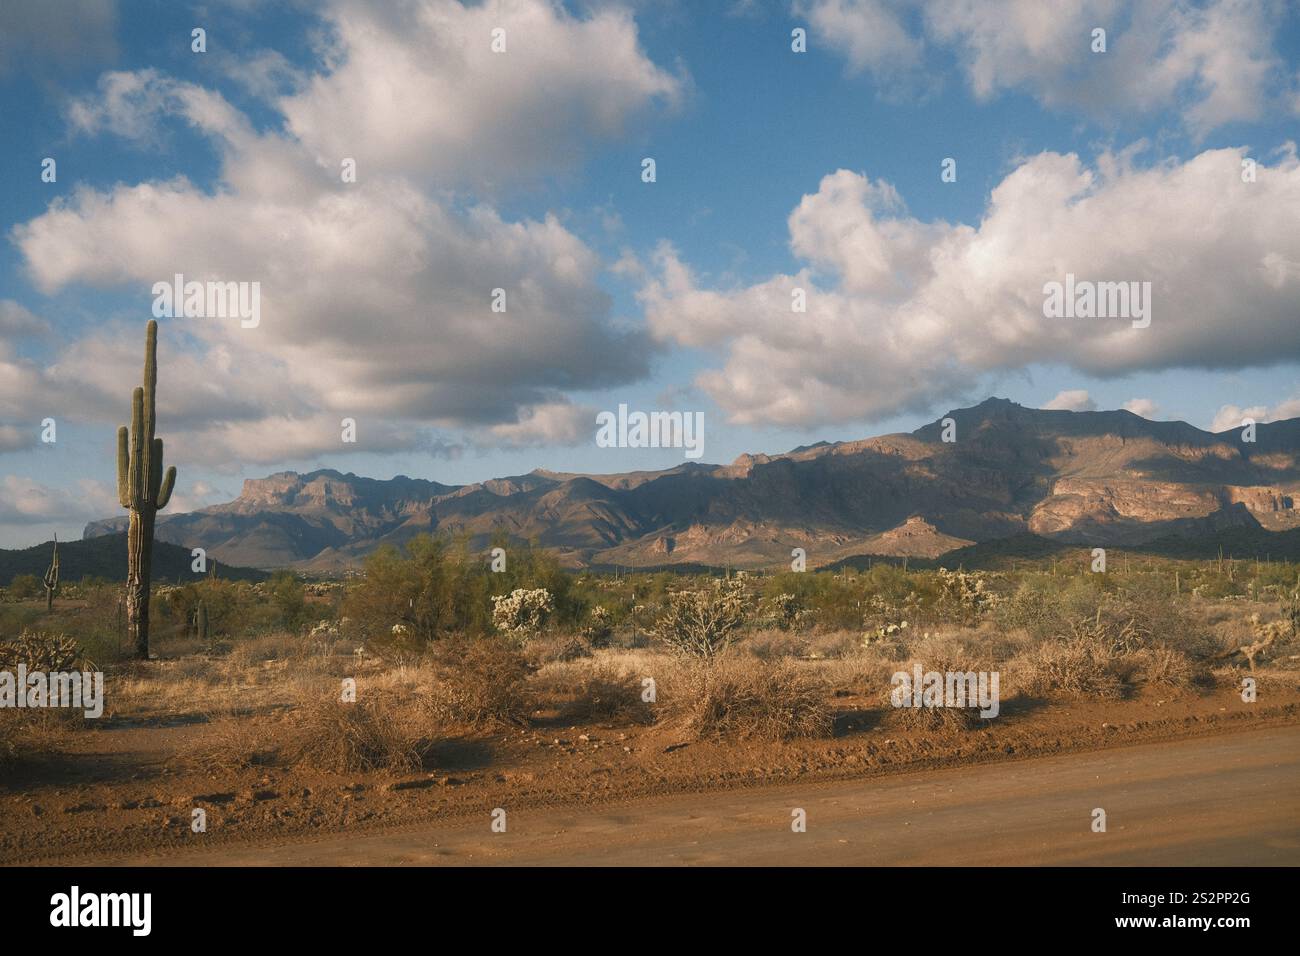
pixel 1226 800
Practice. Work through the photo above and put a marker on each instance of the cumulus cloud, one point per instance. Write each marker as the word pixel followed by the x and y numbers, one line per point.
pixel 553 423
pixel 1144 407
pixel 13 438
pixel 25 501
pixel 418 86
pixel 1232 416
pixel 1214 60
pixel 873 35
pixel 1073 400
pixel 376 296
pixel 903 313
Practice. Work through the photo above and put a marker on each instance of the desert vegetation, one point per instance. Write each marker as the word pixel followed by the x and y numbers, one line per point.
pixel 439 644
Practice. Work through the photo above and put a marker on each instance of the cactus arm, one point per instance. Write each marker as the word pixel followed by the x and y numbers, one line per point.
pixel 138 476
pixel 123 467
pixel 165 492
pixel 155 470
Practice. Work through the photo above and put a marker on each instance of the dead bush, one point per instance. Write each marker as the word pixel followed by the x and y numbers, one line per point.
pixel 30 734
pixel 235 745
pixel 361 737
pixel 479 681
pixel 935 720
pixel 267 647
pixel 1078 667
pixel 1167 667
pixel 605 693
pixel 743 697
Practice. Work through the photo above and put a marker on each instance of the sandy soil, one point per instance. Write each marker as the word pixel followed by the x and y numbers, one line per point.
pixel 126 793
pixel 1164 804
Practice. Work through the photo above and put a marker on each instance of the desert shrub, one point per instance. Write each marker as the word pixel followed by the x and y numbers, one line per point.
pixel 940 720
pixel 830 600
pixel 267 647
pixel 605 693
pixel 1166 667
pixel 773 644
pixel 1080 666
pixel 361 737
pixel 429 588
pixel 743 697
pixel 701 623
pixel 289 599
pixel 25 586
pixel 235 744
pixel 434 587
pixel 30 734
pixel 480 681
pixel 944 653
pixel 234 608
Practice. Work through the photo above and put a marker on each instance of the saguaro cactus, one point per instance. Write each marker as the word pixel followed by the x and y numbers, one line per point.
pixel 51 579
pixel 142 489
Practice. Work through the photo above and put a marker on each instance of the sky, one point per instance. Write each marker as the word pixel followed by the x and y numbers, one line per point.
pixel 915 173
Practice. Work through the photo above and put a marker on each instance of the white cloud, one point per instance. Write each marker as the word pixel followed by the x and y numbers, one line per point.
pixel 1232 416
pixel 25 501
pixel 553 423
pixel 1073 400
pixel 871 34
pixel 903 313
pixel 13 438
pixel 1143 407
pixel 417 86
pixel 375 295
pixel 1213 61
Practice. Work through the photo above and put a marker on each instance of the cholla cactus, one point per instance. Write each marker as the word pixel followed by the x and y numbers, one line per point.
pixel 51 579
pixel 702 623
pixel 783 610
pixel 40 652
pixel 522 612
pixel 967 592
pixel 143 489
pixel 598 628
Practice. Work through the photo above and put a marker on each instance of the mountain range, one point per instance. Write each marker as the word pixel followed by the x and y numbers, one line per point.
pixel 1090 478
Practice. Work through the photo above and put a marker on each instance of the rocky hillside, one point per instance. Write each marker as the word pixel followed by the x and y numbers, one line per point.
pixel 1080 477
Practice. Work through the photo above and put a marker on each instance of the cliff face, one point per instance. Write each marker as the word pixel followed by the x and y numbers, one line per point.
pixel 1085 477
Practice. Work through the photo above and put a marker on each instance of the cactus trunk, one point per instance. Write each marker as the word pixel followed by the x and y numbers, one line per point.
pixel 51 579
pixel 142 489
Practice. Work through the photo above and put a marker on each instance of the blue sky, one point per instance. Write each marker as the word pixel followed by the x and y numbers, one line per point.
pixel 524 170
